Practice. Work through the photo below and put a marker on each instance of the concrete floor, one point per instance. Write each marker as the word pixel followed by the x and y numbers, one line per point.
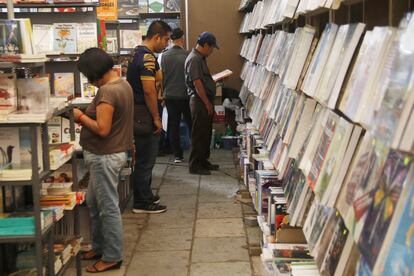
pixel 201 234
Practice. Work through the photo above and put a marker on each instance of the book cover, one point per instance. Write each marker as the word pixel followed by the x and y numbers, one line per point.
pixel 143 6
pixel 26 35
pixel 321 216
pixel 322 149
pixel 156 6
pixel 88 91
pixel 11 39
pixel 66 133
pixel 64 84
pixel 33 95
pixel 335 248
pixel 101 28
pixel 321 249
pixel 337 180
pixel 172 5
pixel 43 38
pixel 362 192
pixel 65 37
pixel 128 8
pixel 26 148
pixel 399 254
pixel 87 36
pixel 9 147
pixel 107 10
pixel 55 130
pixel 130 38
pixel 334 157
pixel 8 93
pixel 384 203
pixel 319 59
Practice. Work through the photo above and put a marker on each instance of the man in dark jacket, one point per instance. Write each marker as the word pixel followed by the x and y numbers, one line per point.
pixel 175 90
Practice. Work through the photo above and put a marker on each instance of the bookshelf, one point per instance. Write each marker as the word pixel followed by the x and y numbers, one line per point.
pixel 42 235
pixel 322 128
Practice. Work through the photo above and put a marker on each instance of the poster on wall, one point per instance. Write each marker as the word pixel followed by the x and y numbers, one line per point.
pixel 107 10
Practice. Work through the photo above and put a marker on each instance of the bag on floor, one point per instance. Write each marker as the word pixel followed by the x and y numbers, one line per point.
pixel 143 123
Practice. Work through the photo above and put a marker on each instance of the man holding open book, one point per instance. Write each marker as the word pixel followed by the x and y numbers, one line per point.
pixel 202 90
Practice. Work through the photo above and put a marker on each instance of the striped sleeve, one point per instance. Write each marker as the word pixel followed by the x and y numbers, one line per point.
pixel 149 68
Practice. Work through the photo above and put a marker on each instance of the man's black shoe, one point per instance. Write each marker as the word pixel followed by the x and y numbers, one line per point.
pixel 156 199
pixel 150 209
pixel 201 171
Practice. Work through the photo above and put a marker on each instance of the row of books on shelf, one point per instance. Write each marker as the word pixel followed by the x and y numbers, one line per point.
pixel 15 150
pixel 52 210
pixel 64 247
pixel 367 213
pixel 32 96
pixel 18 36
pixel 365 175
pixel 23 223
pixel 269 12
pixel 373 92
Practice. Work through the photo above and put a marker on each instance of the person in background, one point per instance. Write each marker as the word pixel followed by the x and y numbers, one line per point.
pixel 143 73
pixel 106 136
pixel 175 91
pixel 202 90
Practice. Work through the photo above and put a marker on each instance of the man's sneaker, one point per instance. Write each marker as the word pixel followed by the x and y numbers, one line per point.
pixel 156 199
pixel 211 167
pixel 178 160
pixel 150 209
pixel 200 171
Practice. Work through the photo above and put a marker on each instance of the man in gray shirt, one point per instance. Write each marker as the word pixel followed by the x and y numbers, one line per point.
pixel 175 91
pixel 202 90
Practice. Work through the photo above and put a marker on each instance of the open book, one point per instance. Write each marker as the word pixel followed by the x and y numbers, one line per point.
pixel 222 75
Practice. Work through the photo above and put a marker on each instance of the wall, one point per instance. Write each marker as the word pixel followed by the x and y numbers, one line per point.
pixel 222 19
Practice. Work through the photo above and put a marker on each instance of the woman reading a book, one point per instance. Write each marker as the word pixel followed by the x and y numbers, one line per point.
pixel 106 136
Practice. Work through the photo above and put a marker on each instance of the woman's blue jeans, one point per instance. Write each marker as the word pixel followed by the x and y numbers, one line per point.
pixel 102 199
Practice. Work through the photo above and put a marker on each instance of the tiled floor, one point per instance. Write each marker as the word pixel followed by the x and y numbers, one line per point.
pixel 202 233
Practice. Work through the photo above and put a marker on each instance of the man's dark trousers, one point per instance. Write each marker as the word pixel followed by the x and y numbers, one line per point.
pixel 200 134
pixel 175 109
pixel 146 151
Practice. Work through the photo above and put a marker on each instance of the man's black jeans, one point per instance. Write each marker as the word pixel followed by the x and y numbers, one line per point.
pixel 176 109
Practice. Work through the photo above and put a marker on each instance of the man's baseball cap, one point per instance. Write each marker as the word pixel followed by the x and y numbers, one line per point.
pixel 209 38
pixel 176 33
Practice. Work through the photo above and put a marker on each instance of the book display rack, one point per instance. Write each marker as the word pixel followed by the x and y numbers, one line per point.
pixel 41 208
pixel 40 224
pixel 327 144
